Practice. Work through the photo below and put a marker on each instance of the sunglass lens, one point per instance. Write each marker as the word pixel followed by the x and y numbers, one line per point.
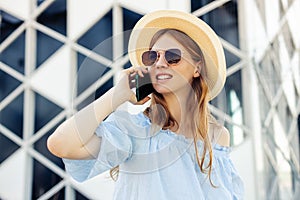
pixel 173 56
pixel 149 57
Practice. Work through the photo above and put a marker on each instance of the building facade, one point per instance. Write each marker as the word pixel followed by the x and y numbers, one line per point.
pixel 56 56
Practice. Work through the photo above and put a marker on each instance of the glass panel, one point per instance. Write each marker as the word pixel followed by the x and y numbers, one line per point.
pixel 43 53
pixel 80 196
pixel 12 116
pixel 55 17
pixel 45 110
pixel 99 43
pixel 129 20
pixel 89 71
pixel 283 109
pixel 264 104
pixel 275 56
pixel 295 143
pixel 269 73
pixel 14 54
pixel 230 102
pixel 196 4
pixel 43 179
pixel 270 164
pixel 7 85
pixel 236 113
pixel 227 28
pixel 237 135
pixel 8 147
pixel 289 42
pixel 60 195
pixel 8 25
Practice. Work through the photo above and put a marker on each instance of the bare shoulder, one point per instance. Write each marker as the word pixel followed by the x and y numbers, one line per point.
pixel 219 134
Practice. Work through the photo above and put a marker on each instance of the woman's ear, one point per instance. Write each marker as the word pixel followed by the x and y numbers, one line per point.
pixel 196 73
pixel 197 70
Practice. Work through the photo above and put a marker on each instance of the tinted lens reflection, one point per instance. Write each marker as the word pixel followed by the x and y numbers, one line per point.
pixel 173 56
pixel 149 57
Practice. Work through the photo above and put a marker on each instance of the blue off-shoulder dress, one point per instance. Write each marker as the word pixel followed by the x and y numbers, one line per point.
pixel 156 164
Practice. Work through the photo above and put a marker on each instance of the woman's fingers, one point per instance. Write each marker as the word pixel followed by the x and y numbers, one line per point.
pixel 144 100
pixel 131 79
pixel 135 70
pixel 132 71
pixel 134 101
pixel 129 76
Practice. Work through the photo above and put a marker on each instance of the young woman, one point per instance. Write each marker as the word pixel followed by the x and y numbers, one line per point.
pixel 174 149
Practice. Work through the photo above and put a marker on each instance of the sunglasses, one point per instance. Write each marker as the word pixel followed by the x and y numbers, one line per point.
pixel 171 56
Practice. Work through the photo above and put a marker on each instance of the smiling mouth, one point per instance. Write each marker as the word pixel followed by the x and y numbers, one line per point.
pixel 163 76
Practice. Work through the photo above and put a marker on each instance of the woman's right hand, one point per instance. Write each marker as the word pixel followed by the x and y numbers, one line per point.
pixel 75 138
pixel 123 88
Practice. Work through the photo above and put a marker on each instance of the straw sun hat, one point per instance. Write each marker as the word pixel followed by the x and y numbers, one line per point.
pixel 198 30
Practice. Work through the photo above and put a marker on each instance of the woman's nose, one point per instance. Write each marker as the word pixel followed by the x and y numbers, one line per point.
pixel 161 62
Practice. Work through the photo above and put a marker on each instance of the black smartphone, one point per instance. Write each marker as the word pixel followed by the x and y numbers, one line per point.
pixel 144 86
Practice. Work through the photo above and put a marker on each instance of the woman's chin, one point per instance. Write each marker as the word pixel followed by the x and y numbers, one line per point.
pixel 162 89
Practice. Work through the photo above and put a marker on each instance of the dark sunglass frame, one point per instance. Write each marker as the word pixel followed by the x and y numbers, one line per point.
pixel 171 56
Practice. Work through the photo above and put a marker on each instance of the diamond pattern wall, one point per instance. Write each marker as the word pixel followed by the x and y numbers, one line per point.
pixel 65 64
pixel 53 78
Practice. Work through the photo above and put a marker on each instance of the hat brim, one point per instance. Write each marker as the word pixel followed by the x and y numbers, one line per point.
pixel 198 30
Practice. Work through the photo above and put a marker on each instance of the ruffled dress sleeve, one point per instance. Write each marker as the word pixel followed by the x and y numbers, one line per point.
pixel 225 176
pixel 115 148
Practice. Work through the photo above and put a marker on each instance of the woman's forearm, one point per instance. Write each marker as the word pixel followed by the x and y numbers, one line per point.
pixel 75 137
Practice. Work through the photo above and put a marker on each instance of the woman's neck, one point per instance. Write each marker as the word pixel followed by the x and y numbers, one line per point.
pixel 178 108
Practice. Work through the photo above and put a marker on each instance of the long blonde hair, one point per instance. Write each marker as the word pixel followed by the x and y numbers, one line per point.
pixel 198 108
